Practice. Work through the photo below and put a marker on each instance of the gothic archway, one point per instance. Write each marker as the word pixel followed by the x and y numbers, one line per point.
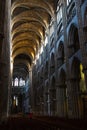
pixel 73 40
pixel 76 88
pixel 62 94
pixel 52 64
pixel 60 54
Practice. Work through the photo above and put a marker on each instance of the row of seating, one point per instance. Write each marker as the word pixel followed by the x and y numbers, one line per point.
pixel 64 123
pixel 42 123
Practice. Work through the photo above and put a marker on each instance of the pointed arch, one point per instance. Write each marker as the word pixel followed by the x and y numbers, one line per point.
pixel 73 40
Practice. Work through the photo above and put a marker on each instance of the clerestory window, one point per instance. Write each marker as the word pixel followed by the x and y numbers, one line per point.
pixel 16 82
pixel 59 14
pixel 68 2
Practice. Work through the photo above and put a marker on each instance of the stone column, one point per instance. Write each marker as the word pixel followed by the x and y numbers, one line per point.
pixel 74 100
pixel 48 104
pixel 48 32
pixel 2 11
pixel 3 91
pixel 61 101
pixel 4 58
pixel 2 15
pixel 31 93
pixel 53 101
pixel 1 42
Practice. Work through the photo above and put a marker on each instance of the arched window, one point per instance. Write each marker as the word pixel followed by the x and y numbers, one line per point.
pixel 78 87
pixel 85 18
pixel 60 55
pixel 60 28
pixel 68 2
pixel 52 60
pixel 15 100
pixel 16 82
pixel 46 40
pixel 59 13
pixel 52 65
pixel 73 40
pixel 21 82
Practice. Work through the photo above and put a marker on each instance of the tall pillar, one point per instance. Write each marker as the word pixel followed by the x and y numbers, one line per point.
pixel 2 15
pixel 2 11
pixel 74 100
pixel 61 101
pixel 4 57
pixel 31 91
pixel 1 90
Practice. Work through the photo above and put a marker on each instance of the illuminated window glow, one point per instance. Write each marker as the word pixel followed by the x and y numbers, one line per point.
pixel 46 40
pixel 82 81
pixel 41 50
pixel 59 14
pixel 14 98
pixel 68 2
pixel 21 82
pixel 16 82
pixel 16 101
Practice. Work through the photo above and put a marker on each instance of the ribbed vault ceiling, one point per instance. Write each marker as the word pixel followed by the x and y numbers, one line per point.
pixel 29 21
